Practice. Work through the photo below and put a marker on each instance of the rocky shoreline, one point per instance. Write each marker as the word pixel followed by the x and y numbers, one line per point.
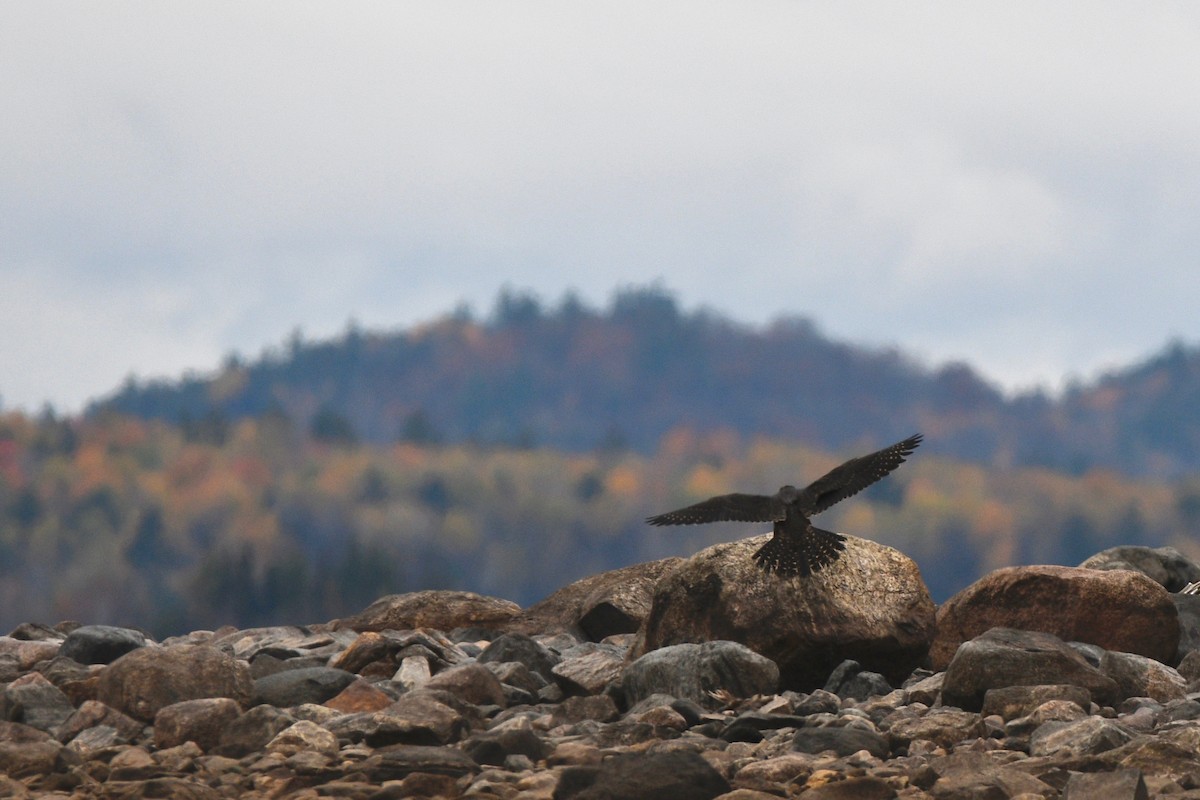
pixel 1036 682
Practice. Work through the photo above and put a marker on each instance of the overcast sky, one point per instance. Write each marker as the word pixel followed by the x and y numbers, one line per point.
pixel 1012 184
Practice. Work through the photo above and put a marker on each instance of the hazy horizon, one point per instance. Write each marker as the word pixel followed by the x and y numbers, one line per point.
pixel 1012 186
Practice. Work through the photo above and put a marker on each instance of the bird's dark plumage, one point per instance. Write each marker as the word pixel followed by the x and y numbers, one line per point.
pixel 797 548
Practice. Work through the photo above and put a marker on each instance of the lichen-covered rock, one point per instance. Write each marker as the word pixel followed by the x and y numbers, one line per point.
pixel 145 680
pixel 1116 610
pixel 870 606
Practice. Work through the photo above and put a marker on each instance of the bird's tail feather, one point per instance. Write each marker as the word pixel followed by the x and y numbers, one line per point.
pixel 789 557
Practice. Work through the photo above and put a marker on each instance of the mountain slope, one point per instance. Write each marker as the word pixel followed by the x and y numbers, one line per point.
pixel 576 379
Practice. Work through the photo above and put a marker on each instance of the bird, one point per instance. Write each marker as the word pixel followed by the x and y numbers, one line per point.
pixel 797 548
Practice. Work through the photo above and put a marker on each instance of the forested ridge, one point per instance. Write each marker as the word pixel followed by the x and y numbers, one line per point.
pixel 511 455
pixel 576 378
pixel 124 520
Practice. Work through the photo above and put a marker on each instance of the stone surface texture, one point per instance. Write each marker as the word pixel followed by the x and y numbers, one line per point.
pixel 870 606
pixel 1114 609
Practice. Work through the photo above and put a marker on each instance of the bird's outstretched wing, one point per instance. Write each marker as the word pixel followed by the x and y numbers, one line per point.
pixel 855 475
pixel 725 508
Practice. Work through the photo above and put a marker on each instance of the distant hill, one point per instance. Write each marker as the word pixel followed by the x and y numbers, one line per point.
pixel 578 379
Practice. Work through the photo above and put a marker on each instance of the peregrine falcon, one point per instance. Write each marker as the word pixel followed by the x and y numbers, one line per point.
pixel 797 548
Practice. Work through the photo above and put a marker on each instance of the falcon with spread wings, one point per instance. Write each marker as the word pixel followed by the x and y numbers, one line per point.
pixel 797 548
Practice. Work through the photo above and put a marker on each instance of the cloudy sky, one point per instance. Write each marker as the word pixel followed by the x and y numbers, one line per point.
pixel 1012 184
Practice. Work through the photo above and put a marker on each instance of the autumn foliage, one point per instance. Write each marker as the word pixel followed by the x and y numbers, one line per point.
pixel 115 519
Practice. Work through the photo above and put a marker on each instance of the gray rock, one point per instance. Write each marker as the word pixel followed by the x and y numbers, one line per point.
pixel 1188 608
pixel 946 727
pixel 1189 667
pixel 870 605
pixel 516 674
pixel 694 671
pixel 145 680
pixel 1004 657
pixel 100 644
pixel 679 775
pixel 1010 702
pixel 295 687
pixel 589 671
pixel 381 653
pixel 96 738
pixel 1121 784
pixel 864 788
pixel 851 681
pixel 523 649
pixel 283 643
pixel 202 721
pixel 1164 565
pixel 843 741
pixel 1138 676
pixel 495 747
pixel 598 707
pixel 818 702
pixel 979 775
pixel 36 702
pixel 251 731
pixel 399 761
pixel 92 713
pixel 417 718
pixel 303 736
pixel 1084 737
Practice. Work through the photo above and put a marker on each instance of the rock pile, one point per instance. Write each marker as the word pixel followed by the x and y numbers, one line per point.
pixel 486 706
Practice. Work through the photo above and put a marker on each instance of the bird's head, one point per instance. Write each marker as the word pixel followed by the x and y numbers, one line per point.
pixel 788 494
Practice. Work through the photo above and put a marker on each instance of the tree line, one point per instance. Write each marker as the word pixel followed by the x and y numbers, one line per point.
pixel 265 520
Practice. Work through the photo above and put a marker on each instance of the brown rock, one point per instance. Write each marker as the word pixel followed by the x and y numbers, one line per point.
pixel 1115 609
pixel 1010 702
pixel 439 609
pixel 590 672
pixel 358 697
pixel 597 606
pixel 1122 784
pixel 473 683
pixel 861 788
pixel 141 682
pixel 201 721
pixel 93 713
pixel 944 726
pixel 870 606
pixel 1138 676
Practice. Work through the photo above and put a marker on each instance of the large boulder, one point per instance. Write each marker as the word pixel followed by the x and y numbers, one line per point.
pixel 1117 610
pixel 870 606
pixel 1167 566
pixel 100 644
pixel 599 605
pixel 148 679
pixel 1188 608
pixel 440 609
pixel 695 671
pixel 1005 657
